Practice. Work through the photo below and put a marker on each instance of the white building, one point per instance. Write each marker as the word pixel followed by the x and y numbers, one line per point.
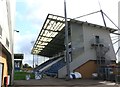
pixel 7 15
pixel 90 47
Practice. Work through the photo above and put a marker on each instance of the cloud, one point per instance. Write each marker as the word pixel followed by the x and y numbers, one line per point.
pixel 23 45
pixel 23 42
pixel 38 10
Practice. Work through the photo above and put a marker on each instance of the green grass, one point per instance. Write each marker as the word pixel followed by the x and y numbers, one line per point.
pixel 22 75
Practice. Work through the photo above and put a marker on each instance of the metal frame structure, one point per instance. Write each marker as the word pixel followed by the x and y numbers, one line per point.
pixel 51 32
pixel 51 39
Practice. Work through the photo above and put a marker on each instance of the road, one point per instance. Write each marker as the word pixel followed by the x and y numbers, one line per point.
pixel 55 82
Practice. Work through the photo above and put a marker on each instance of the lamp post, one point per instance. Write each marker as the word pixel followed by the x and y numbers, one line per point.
pixel 33 61
pixel 17 31
pixel 12 38
pixel 66 43
pixel 32 42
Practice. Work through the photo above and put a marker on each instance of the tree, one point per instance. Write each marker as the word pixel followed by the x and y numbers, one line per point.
pixel 26 66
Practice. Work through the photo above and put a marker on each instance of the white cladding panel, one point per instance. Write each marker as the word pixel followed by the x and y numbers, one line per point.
pixel 7 15
pixel 82 36
pixel 104 35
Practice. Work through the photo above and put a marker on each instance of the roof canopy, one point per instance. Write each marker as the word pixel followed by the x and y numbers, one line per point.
pixel 50 40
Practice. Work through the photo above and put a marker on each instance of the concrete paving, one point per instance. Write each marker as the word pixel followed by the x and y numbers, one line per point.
pixel 54 82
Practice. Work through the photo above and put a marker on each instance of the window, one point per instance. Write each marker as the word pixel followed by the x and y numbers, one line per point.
pixel 97 39
pixel 7 42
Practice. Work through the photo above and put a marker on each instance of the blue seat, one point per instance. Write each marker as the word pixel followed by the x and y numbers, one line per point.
pixel 53 70
pixel 44 64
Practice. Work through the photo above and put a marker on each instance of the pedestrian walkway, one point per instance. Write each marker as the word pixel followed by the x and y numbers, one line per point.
pixel 54 82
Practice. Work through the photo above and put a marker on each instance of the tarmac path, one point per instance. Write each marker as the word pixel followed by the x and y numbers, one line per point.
pixel 55 82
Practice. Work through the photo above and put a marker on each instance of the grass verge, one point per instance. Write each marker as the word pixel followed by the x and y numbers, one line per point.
pixel 22 75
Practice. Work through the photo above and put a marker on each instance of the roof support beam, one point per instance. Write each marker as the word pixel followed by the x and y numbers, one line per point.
pixel 51 30
pixel 46 36
pixel 56 20
pixel 44 42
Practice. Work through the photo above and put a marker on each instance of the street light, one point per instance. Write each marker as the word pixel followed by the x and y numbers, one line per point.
pixel 16 31
pixel 12 38
pixel 66 43
pixel 32 42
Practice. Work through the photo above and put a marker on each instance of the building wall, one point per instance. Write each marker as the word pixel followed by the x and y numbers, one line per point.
pixel 89 37
pixel 87 69
pixel 7 10
pixel 5 24
pixel 77 40
pixel 3 60
pixel 82 36
pixel 77 44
